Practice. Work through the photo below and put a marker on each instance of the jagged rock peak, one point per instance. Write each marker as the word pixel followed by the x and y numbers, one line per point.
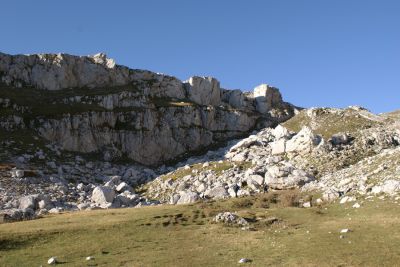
pixel 60 71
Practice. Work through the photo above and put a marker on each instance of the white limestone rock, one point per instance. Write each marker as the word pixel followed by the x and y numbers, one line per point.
pixel 266 98
pixel 188 197
pixel 303 142
pixel 103 195
pixel 204 90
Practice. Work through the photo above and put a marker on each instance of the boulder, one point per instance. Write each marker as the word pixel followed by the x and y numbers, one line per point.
pixel 303 142
pixel 278 147
pixel 14 215
pixel 217 192
pixel 28 202
pixel 123 187
pixel 103 195
pixel 188 197
pixel 286 177
pixel 255 178
pixel 280 132
pixel 340 139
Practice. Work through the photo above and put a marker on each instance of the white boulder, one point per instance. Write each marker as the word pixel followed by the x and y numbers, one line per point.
pixel 103 195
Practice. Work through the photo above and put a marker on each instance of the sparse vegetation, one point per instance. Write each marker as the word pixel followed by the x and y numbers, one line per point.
pixel 183 235
pixel 327 123
pixel 217 167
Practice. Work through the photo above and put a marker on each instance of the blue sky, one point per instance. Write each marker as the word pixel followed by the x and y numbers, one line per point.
pixel 318 52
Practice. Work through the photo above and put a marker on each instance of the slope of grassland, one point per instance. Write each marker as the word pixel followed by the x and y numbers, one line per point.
pixel 184 235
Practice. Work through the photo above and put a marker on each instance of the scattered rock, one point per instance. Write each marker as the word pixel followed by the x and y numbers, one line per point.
pixel 244 260
pixel 230 218
pixel 52 261
pixel 103 195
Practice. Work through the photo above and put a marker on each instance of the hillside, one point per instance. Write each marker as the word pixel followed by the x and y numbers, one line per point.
pixel 185 235
pixel 137 168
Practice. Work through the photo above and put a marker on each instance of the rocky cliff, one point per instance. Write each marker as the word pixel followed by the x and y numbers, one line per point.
pixel 92 105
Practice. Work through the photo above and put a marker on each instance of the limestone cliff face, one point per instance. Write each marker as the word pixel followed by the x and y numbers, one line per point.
pixel 90 104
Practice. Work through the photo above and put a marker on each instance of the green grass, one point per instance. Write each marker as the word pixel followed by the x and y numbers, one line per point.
pixel 328 123
pixel 169 102
pixel 49 103
pixel 184 236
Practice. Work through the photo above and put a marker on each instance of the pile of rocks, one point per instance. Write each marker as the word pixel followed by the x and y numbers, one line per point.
pixel 249 167
pixel 230 219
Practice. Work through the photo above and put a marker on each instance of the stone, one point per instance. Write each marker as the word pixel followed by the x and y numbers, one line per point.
pixel 52 261
pixel 356 206
pixel 14 215
pixel 346 230
pixel 230 218
pixel 285 177
pixel 204 90
pixel 89 258
pixel 340 139
pixel 258 179
pixel 45 203
pixel 278 147
pixel 307 204
pixel 19 173
pixel 303 142
pixel 188 197
pixel 174 199
pixel 244 260
pixel 28 202
pixel 281 132
pixel 266 97
pixel 217 192
pixel 83 206
pixel 346 199
pixel 103 195
pixel 123 187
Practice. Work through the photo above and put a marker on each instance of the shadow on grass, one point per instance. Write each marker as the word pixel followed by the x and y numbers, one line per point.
pixel 10 244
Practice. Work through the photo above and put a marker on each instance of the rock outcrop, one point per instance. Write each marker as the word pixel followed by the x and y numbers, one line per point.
pixel 89 104
pixel 361 157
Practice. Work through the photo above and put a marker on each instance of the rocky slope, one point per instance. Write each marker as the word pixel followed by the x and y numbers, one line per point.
pixel 334 152
pixel 70 123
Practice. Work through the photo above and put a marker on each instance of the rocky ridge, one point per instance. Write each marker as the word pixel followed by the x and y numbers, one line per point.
pixel 92 105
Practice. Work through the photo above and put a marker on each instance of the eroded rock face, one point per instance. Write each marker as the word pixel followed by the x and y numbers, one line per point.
pixel 151 118
pixel 59 71
pixel 266 97
pixel 204 90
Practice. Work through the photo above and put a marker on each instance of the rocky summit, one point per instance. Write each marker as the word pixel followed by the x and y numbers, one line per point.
pixel 82 133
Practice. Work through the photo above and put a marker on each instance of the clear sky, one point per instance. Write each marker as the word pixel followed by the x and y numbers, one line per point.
pixel 318 52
